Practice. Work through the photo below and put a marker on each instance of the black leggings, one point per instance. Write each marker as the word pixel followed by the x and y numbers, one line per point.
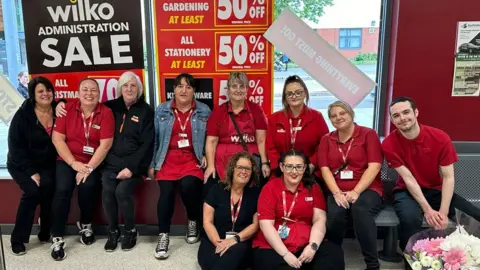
pixel 191 193
pixel 33 196
pixel 238 256
pixel 329 256
pixel 65 184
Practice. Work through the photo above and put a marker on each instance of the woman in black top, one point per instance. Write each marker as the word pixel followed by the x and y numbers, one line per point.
pixel 229 217
pixel 31 161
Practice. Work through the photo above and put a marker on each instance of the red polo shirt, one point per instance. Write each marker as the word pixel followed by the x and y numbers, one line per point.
pixel 270 207
pixel 423 155
pixel 365 149
pixel 103 127
pixel 219 119
pixel 309 133
pixel 220 125
pixel 180 162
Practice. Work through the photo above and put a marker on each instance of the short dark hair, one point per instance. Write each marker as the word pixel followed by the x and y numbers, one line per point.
pixel 34 82
pixel 188 78
pixel 404 99
pixel 20 74
pixel 307 179
pixel 289 80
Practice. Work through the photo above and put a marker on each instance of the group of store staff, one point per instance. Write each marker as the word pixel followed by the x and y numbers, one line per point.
pixel 229 153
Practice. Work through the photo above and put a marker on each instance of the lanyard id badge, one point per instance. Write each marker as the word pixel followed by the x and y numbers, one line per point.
pixel 87 149
pixel 346 174
pixel 183 142
pixel 284 230
pixel 234 215
pixel 293 131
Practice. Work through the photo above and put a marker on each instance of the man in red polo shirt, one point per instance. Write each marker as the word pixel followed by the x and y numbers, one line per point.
pixel 82 139
pixel 419 153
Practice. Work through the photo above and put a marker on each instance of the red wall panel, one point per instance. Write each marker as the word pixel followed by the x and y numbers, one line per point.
pixel 146 197
pixel 422 59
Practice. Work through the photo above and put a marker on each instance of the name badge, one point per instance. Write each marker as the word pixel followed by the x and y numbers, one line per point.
pixel 297 128
pixel 88 150
pixel 308 199
pixel 281 130
pixel 134 118
pixel 283 231
pixel 183 144
pixel 95 126
pixel 230 234
pixel 346 175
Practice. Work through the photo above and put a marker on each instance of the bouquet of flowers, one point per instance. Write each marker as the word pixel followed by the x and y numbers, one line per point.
pixel 451 249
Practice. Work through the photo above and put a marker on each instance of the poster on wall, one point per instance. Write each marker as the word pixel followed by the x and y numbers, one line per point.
pixel 466 78
pixel 68 41
pixel 211 38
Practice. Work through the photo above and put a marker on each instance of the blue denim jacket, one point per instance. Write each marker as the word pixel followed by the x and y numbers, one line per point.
pixel 164 119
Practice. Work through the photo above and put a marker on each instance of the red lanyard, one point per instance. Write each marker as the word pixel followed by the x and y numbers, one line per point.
pixel 293 131
pixel 183 126
pixel 235 214
pixel 285 214
pixel 123 122
pixel 85 129
pixel 348 150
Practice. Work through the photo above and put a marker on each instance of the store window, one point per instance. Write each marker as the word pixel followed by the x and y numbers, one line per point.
pixel 341 23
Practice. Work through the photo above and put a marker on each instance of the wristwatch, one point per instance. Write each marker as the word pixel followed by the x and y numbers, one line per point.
pixel 237 238
pixel 314 246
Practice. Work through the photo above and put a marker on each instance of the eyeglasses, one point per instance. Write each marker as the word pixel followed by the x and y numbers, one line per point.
pixel 243 168
pixel 298 167
pixel 183 86
pixel 237 86
pixel 297 93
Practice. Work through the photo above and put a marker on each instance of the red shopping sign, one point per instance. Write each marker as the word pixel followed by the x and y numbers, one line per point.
pixel 318 58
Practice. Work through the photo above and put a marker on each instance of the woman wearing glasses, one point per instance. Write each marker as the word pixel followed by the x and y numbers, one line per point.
pixel 292 221
pixel 229 217
pixel 239 115
pixel 350 158
pixel 296 126
pixel 180 126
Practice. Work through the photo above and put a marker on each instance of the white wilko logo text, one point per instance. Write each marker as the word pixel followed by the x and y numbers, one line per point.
pixel 82 11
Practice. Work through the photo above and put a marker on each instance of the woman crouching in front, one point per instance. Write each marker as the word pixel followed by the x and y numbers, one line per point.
pixel 291 213
pixel 230 217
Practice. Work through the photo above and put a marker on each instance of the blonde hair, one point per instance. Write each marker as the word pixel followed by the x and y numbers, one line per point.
pixel 343 105
pixel 124 78
pixel 237 76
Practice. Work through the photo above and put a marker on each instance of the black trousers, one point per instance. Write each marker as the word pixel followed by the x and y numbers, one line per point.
pixel 191 193
pixel 329 256
pixel 363 213
pixel 33 196
pixel 411 215
pixel 64 186
pixel 239 256
pixel 118 194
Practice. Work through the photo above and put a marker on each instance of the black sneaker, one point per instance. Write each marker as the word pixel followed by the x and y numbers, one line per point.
pixel 112 242
pixel 161 251
pixel 86 233
pixel 192 234
pixel 18 249
pixel 129 239
pixel 58 246
pixel 44 237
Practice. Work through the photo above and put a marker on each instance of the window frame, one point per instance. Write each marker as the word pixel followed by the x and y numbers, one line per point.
pixel 349 37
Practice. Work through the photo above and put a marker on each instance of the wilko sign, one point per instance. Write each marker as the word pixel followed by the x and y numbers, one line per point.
pixel 75 36
pixel 318 58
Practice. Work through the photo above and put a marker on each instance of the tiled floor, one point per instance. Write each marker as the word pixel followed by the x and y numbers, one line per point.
pixel 183 256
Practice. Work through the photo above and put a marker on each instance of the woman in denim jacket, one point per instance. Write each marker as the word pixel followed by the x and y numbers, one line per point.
pixel 178 159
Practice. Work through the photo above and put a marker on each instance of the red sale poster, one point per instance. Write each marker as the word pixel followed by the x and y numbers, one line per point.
pixel 211 38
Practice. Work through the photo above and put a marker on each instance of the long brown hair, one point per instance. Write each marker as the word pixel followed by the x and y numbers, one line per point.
pixel 228 181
